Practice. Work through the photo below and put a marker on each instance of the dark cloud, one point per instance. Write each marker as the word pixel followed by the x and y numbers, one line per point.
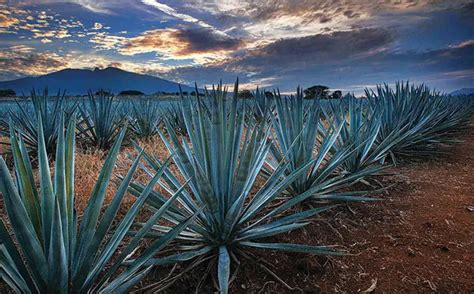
pixel 202 40
pixel 178 42
pixel 322 48
pixel 351 14
pixel 349 60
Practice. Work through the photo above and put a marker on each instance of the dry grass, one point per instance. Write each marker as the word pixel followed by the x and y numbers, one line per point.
pixel 87 170
pixel 90 163
pixel 3 147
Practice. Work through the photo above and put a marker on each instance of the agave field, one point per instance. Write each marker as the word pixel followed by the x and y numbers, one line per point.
pixel 236 174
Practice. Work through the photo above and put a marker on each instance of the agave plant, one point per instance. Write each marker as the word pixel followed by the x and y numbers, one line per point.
pixel 52 253
pixel 175 119
pixel 144 118
pixel 305 138
pixel 360 130
pixel 221 170
pixel 101 121
pixel 26 117
pixel 263 104
pixel 417 119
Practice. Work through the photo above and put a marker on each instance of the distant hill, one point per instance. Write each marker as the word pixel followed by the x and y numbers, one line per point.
pixel 79 81
pixel 463 91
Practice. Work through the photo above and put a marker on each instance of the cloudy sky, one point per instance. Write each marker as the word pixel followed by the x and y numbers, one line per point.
pixel 344 44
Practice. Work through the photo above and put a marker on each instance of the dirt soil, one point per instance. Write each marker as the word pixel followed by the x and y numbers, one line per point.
pixel 419 239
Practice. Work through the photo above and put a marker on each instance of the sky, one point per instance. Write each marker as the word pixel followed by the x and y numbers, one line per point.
pixel 344 44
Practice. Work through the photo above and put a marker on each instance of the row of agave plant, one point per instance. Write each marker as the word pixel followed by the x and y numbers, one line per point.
pixel 211 210
pixel 100 117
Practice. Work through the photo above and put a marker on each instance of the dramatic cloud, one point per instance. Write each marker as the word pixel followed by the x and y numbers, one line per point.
pixel 323 48
pixel 347 44
pixel 172 12
pixel 40 25
pixel 180 43
pixel 105 41
pixel 274 19
pixel 346 60
pixel 198 44
pixel 21 60
pixel 6 20
pixel 58 34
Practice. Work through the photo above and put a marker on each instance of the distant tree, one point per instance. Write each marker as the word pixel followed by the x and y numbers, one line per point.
pixel 177 93
pixel 318 91
pixel 193 93
pixel 7 93
pixel 185 93
pixel 131 93
pixel 245 94
pixel 103 92
pixel 268 94
pixel 336 94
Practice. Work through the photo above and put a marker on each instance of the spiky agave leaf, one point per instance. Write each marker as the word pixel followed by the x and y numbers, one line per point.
pixel 304 137
pixel 25 118
pixel 222 169
pixel 417 119
pixel 101 121
pixel 263 104
pixel 52 255
pixel 145 117
pixel 360 129
pixel 173 115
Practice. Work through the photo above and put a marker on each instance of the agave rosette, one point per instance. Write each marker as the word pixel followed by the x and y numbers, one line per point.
pixel 52 253
pixel 25 118
pixel 416 120
pixel 360 131
pixel 221 169
pixel 304 137
pixel 145 117
pixel 100 121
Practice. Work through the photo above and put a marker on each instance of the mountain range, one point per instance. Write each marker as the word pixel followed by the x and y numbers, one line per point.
pixel 463 91
pixel 80 81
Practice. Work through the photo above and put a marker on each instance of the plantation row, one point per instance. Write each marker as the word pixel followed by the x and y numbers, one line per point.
pixel 213 211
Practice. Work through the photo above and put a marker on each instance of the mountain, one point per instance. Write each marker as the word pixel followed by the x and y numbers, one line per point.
pixel 79 81
pixel 463 91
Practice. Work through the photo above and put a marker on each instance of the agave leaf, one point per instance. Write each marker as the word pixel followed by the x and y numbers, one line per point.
pixel 121 230
pixel 321 250
pixel 46 187
pixel 147 254
pixel 223 269
pixel 10 274
pixel 103 228
pixel 24 176
pixel 58 280
pixel 14 259
pixel 22 225
pixel 179 257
